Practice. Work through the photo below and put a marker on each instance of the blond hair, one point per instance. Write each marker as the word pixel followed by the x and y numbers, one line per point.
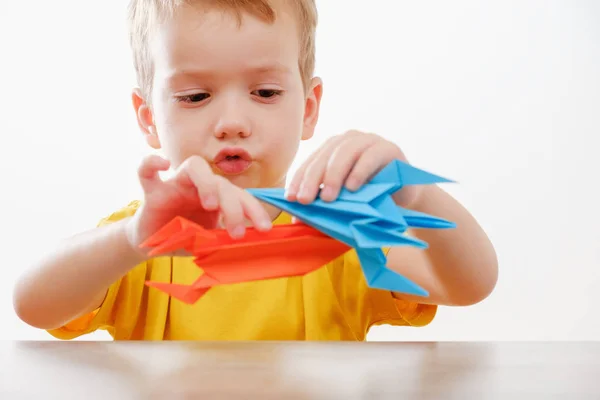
pixel 144 15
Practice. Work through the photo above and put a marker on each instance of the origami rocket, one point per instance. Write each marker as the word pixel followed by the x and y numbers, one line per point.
pixel 369 220
pixel 280 252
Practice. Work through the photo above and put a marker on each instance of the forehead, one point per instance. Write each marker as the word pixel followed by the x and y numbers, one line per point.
pixel 209 39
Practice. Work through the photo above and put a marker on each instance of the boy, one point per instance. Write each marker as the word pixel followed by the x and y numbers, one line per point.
pixel 227 92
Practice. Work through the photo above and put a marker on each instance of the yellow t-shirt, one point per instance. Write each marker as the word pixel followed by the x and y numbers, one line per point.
pixel 331 303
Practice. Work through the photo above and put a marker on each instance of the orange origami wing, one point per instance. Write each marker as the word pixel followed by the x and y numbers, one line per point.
pixel 178 234
pixel 184 234
pixel 274 259
pixel 280 252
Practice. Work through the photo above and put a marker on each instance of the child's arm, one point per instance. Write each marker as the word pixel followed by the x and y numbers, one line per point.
pixel 460 267
pixel 73 280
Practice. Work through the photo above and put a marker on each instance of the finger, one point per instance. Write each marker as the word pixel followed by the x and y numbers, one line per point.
pixel 313 176
pixel 149 169
pixel 199 173
pixel 255 212
pixel 314 171
pixel 341 163
pixel 371 161
pixel 294 186
pixel 295 183
pixel 231 207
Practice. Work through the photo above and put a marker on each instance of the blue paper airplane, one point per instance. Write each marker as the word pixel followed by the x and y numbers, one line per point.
pixel 369 220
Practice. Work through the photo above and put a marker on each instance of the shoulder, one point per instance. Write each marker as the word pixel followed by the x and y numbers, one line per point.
pixel 122 213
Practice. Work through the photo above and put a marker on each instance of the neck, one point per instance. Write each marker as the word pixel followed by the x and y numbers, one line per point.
pixel 273 211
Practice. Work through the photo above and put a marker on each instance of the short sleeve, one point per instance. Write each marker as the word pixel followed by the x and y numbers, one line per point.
pixel 120 311
pixel 366 307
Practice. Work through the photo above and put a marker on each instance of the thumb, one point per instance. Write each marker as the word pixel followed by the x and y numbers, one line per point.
pixel 148 171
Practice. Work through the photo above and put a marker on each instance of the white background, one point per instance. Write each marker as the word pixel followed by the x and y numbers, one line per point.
pixel 502 96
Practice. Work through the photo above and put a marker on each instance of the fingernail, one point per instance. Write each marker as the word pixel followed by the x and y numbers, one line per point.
pixel 238 231
pixel 302 193
pixel 265 224
pixel 352 184
pixel 210 201
pixel 290 192
pixel 327 193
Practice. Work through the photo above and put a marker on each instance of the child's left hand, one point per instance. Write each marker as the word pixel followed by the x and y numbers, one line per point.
pixel 349 160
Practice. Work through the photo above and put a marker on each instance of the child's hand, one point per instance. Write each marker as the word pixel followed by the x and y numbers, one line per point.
pixel 195 193
pixel 347 160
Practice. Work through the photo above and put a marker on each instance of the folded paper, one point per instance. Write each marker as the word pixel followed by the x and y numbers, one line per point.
pixel 367 220
pixel 280 252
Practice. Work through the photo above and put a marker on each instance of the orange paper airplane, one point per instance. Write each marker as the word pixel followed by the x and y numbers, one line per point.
pixel 280 252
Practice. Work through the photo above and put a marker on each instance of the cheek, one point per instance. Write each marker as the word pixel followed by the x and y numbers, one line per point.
pixel 180 139
pixel 186 139
pixel 282 146
pixel 180 128
pixel 284 129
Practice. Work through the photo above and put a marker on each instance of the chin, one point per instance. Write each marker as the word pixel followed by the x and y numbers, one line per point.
pixel 245 180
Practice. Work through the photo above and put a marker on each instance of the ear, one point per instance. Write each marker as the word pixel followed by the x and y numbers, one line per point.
pixel 311 109
pixel 145 119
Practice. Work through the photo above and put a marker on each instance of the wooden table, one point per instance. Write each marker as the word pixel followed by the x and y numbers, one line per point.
pixel 299 370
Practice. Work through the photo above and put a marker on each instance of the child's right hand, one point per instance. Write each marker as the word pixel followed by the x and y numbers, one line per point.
pixel 194 192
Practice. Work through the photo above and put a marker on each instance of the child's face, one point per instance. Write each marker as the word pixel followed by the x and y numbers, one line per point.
pixel 218 85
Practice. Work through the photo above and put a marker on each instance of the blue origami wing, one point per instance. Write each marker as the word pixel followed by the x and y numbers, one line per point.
pixel 333 222
pixel 416 219
pixel 368 193
pixel 402 174
pixel 367 234
pixel 358 209
pixel 378 276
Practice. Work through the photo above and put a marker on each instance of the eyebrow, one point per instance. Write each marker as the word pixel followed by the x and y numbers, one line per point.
pixel 259 69
pixel 267 68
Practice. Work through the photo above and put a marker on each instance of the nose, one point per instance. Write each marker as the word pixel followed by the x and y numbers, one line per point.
pixel 232 122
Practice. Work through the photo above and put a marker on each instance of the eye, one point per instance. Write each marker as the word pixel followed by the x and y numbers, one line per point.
pixel 193 98
pixel 268 93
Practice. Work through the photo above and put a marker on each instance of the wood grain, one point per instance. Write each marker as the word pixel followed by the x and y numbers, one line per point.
pixel 299 370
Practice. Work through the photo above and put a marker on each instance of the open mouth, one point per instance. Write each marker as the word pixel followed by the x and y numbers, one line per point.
pixel 232 161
